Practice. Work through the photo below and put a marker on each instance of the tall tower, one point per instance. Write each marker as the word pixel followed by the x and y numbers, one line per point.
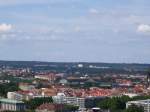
pixel 148 79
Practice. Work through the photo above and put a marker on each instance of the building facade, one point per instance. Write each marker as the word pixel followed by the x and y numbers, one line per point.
pixel 12 105
pixel 62 99
pixel 17 96
pixel 144 103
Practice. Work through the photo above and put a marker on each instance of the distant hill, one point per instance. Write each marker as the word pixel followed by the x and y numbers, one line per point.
pixel 81 67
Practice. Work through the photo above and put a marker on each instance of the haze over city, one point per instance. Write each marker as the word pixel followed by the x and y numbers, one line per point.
pixel 74 56
pixel 75 30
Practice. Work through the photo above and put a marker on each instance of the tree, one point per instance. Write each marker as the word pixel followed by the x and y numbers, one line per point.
pixel 34 103
pixel 72 107
pixel 134 108
pixel 4 88
pixel 115 103
pixel 68 108
pixel 104 104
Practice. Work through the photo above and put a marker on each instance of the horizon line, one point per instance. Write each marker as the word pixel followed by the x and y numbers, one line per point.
pixel 74 62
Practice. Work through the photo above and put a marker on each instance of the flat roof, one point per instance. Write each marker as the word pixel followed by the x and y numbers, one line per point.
pixel 10 101
pixel 140 101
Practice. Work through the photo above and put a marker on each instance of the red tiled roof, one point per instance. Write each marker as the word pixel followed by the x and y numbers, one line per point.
pixel 48 106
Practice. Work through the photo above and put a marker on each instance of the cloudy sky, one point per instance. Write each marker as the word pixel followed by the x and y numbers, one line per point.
pixel 75 30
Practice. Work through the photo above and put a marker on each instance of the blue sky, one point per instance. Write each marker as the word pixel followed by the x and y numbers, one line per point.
pixel 75 30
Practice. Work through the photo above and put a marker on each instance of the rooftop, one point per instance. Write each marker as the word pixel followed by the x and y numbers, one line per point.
pixel 10 101
pixel 140 101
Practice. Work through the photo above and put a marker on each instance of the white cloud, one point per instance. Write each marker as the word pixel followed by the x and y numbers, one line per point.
pixel 5 27
pixel 144 28
pixel 93 11
pixel 20 2
pixel 16 2
pixel 77 29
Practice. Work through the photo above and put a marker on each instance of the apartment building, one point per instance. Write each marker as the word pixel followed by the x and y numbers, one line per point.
pixel 62 99
pixel 144 103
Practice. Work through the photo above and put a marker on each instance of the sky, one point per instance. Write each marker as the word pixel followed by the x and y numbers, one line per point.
pixel 115 31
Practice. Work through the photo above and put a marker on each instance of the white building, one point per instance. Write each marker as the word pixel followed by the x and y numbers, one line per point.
pixel 144 103
pixel 81 102
pixel 49 77
pixel 14 96
pixel 62 99
pixel 131 95
pixel 17 96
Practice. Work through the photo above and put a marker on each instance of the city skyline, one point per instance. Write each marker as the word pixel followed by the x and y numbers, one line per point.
pixel 75 30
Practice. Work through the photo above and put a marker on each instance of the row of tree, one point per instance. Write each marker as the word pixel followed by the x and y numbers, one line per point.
pixel 9 87
pixel 118 104
pixel 36 102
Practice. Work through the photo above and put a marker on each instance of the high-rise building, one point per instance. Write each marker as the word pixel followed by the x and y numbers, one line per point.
pixel 148 79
